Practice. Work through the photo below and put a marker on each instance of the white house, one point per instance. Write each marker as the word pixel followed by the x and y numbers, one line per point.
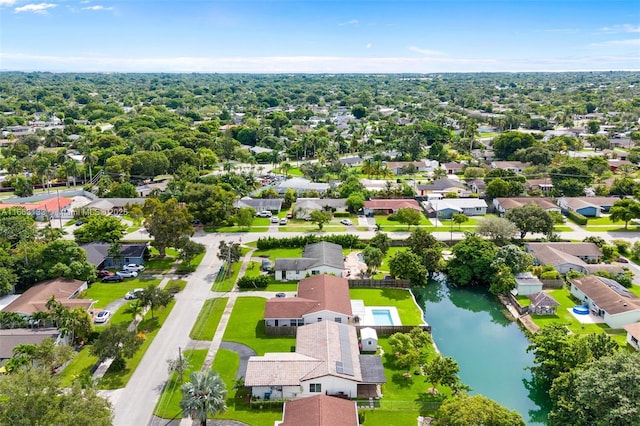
pixel 447 207
pixel 326 361
pixel 608 299
pixel 527 283
pixel 319 298
pixel 317 258
pixel 633 334
pixel 368 339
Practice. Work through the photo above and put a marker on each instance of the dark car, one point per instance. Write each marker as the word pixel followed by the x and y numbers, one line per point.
pixel 112 279
pixel 104 273
pixel 623 260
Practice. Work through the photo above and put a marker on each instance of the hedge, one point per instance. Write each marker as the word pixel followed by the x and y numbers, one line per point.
pixel 260 281
pixel 341 214
pixel 345 240
pixel 577 218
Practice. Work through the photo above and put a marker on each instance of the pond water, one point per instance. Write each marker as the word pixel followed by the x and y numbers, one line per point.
pixel 470 327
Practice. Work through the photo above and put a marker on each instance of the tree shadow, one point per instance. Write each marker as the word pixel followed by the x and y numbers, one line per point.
pixel 402 380
pixel 391 293
pixel 429 402
pixel 540 396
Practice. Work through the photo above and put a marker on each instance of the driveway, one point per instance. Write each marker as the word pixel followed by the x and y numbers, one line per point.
pixel 245 353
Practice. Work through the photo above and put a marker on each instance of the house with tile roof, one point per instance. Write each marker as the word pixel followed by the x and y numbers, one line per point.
pixel 608 299
pixel 326 361
pixel 274 205
pixel 10 338
pixel 317 258
pixel 64 290
pixel 319 298
pixel 515 166
pixel 319 410
pixel 441 186
pixel 502 205
pixel 587 206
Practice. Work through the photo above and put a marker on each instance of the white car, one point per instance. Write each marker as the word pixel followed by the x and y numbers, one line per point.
pixel 275 219
pixel 102 317
pixel 133 294
pixel 264 213
pixel 133 267
pixel 346 222
pixel 127 273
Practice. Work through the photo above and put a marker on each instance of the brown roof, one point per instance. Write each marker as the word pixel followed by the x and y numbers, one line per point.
pixel 36 297
pixel 574 249
pixel 320 410
pixel 392 204
pixel 607 294
pixel 512 203
pixel 317 293
pixel 633 329
pixel 11 338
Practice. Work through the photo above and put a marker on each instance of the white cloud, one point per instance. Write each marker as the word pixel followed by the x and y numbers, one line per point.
pixel 426 52
pixel 368 46
pixel 7 2
pixel 622 28
pixel 612 43
pixel 97 7
pixel 40 8
pixel 351 22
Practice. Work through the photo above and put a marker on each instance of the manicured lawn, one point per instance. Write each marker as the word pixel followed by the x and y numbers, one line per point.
pixel 180 284
pixel 388 417
pixel 562 228
pixel 277 286
pixel 259 224
pixel 82 363
pixel 304 226
pixel 253 269
pixel 160 265
pixel 273 254
pixel 105 293
pixel 168 405
pixel 121 315
pixel 385 223
pixel 247 326
pixel 225 280
pixel 208 319
pixel 402 299
pixel 523 300
pixel 226 364
pixel 384 267
pixel 604 224
pixel 195 262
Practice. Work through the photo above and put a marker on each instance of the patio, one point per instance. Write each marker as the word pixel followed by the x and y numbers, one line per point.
pixel 586 319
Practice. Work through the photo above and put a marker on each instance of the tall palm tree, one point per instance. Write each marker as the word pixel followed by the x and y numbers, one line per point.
pixel 204 394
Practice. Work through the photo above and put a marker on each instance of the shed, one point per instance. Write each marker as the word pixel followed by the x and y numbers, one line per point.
pixel 368 339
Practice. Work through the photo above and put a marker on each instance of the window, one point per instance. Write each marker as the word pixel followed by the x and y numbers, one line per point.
pixel 315 272
pixel 338 319
pixel 315 387
pixel 319 319
pixel 293 323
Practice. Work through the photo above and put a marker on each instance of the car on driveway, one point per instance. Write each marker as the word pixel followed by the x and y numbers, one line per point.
pixel 102 317
pixel 133 267
pixel 127 274
pixel 275 219
pixel 133 294
pixel 115 278
pixel 264 213
pixel 346 222
pixel 623 260
pixel 281 295
pixel 283 221
pixel 104 273
pixel 289 215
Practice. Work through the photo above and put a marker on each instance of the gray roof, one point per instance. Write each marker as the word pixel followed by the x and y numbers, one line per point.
pixel 542 299
pixel 98 252
pixel 316 254
pixel 11 338
pixel 300 184
pixel 441 184
pixel 320 203
pixel 110 203
pixel 372 369
pixel 259 204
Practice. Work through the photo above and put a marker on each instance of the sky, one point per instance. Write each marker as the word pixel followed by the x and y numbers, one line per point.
pixel 319 36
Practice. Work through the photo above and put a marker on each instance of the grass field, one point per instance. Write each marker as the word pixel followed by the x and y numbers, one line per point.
pixel 208 319
pixel 105 293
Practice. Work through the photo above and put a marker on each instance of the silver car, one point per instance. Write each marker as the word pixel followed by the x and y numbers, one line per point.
pixel 127 273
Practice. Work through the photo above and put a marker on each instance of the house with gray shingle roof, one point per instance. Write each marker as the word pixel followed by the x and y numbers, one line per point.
pixel 274 205
pixel 326 361
pixel 317 258
pixel 565 257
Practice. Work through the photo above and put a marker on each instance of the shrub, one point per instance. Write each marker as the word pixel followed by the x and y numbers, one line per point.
pixel 260 281
pixel 393 217
pixel 577 218
pixel 345 240
pixel 341 214
pixel 550 275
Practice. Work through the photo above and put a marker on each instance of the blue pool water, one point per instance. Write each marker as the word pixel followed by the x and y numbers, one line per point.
pixel 382 317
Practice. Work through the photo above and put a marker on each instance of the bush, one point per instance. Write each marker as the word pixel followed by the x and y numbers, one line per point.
pixel 260 281
pixel 577 218
pixel 341 214
pixel 393 217
pixel 345 240
pixel 550 275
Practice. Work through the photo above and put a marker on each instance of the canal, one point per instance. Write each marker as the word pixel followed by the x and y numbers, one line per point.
pixel 470 327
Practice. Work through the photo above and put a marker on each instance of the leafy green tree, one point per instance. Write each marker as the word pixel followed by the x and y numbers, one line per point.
pixel 442 371
pixel 498 229
pixel 116 342
pixel 155 297
pixel 290 197
pixel 514 258
pixel 613 401
pixel 626 210
pixel 464 410
pixel 205 394
pixel 166 222
pixel 472 261
pixel 229 252
pixel 506 144
pixel 210 203
pixel 355 202
pixel 503 280
pixel 406 354
pixel 408 216
pixel 8 279
pixel 427 248
pixel 593 126
pixel 407 265
pixel 372 258
pixel 244 217
pixel 531 218
pixel 34 397
pixel 459 219
pixel 497 188
pixel 22 187
pixel 17 227
pixel 100 228
pixel 382 241
pixel 320 217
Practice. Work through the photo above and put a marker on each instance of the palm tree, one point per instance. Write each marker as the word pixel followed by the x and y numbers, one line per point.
pixel 204 394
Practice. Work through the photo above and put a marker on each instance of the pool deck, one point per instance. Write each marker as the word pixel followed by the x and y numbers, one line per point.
pixel 586 319
pixel 370 320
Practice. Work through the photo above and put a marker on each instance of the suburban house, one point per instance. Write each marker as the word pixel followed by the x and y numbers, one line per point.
pixel 543 185
pixel 389 206
pixel 50 208
pixel 319 410
pixel 542 304
pixel 64 290
pixel 527 283
pixel 515 166
pixel 145 189
pixel 502 205
pixel 304 206
pixel 301 185
pixel 320 298
pixel 352 161
pixel 317 258
pixel 565 257
pixel 326 361
pixel 633 334
pixel 477 186
pixel 399 167
pixel 441 186
pixel 274 205
pixel 587 206
pixel 98 254
pixel 608 299
pixel 445 208
pixel 114 206
pixel 452 168
pixel 10 338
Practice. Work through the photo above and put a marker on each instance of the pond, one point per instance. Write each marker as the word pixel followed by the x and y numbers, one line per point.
pixel 469 326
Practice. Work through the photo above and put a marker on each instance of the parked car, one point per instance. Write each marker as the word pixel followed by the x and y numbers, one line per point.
pixel 79 223
pixel 264 213
pixel 623 260
pixel 275 219
pixel 102 317
pixel 127 274
pixel 133 267
pixel 346 222
pixel 133 294
pixel 115 278
pixel 104 273
pixel 283 221
pixel 281 295
pixel 289 215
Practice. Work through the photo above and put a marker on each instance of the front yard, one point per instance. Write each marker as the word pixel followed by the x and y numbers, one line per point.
pixel 105 293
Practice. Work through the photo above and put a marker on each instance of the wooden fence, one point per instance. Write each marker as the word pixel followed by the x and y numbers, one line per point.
pixel 364 283
pixel 381 330
pixel 552 283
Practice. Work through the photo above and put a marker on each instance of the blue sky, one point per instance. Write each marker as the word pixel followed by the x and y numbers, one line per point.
pixel 365 36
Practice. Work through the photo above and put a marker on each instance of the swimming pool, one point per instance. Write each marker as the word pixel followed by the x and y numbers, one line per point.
pixel 382 317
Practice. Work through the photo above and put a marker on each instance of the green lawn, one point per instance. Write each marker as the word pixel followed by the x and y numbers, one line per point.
pixel 168 406
pixel 604 224
pixel 195 262
pixel 259 224
pixel 225 280
pixel 273 254
pixel 384 267
pixel 80 364
pixel 121 315
pixel 208 319
pixel 247 326
pixel 402 299
pixel 105 293
pixel 226 364
pixel 159 265
pixel 385 223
